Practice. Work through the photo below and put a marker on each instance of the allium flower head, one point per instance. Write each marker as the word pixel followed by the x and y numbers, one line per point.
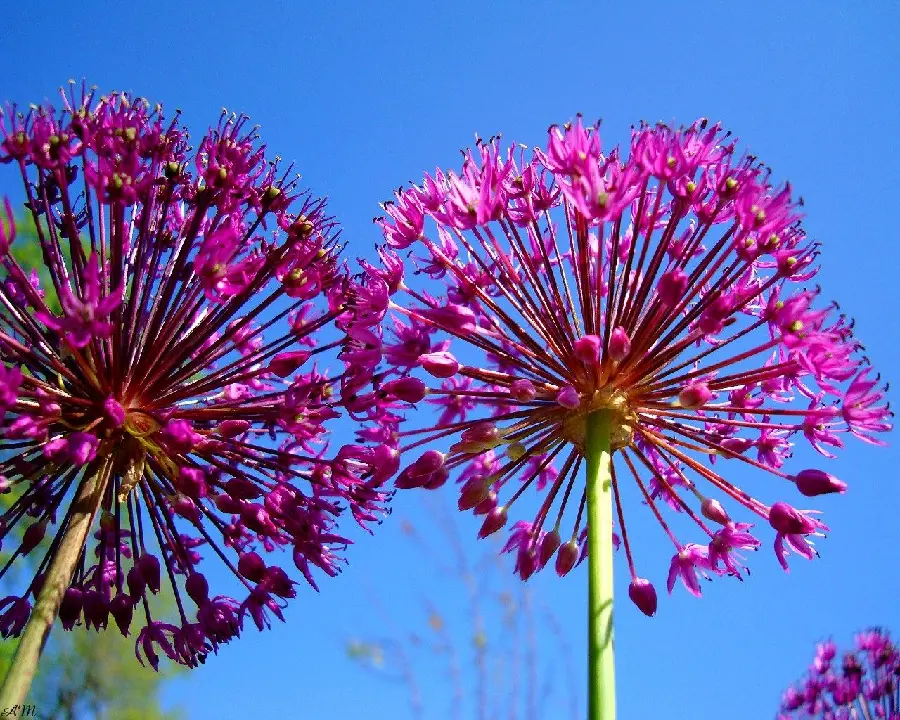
pixel 178 398
pixel 864 683
pixel 667 285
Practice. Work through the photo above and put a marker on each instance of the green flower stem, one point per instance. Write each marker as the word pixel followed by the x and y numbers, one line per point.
pixel 601 662
pixel 59 575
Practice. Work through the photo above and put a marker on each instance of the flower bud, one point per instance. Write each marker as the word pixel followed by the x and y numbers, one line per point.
pixel 566 558
pixel 408 389
pixel 96 610
pixel 516 451
pixel 82 448
pixel 568 397
pixel 587 349
pixel 227 504
pixel 437 479
pixel 429 462
pixel 643 594
pixel 695 395
pixel 232 428
pixel 242 489
pixel 385 462
pixel 526 563
pixel 192 482
pixel 671 286
pixel 149 567
pixel 38 584
pixel 817 482
pixel 486 505
pixel 70 608
pixel 251 566
pixel 453 318
pixel 440 364
pixel 523 390
pixel 179 436
pixel 473 491
pixel 789 521
pixel 197 588
pixel 549 545
pixel 495 520
pixel 712 510
pixel 407 479
pixel 32 536
pixel 479 437
pixel 420 472
pixel 107 521
pixel 122 609
pixel 284 364
pixel 135 581
pixel 619 344
pixel 114 412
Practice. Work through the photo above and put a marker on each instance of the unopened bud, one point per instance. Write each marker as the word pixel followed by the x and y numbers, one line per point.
pixel 149 567
pixel 251 566
pixel 643 594
pixel 694 396
pixel 523 390
pixel 568 397
pixel 587 349
pixel 437 479
pixel 32 536
pixel 712 510
pixel 495 520
pixel 232 428
pixel 817 482
pixel 566 558
pixel 122 609
pixel 284 364
pixel 439 364
pixel 619 344
pixel 486 505
pixel 671 287
pixel 197 587
pixel 408 389
pixel 473 491
pixel 549 545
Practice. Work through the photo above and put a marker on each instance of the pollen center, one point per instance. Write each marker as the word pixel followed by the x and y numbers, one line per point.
pixel 622 420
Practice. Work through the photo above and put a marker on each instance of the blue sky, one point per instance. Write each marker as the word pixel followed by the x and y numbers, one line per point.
pixel 366 96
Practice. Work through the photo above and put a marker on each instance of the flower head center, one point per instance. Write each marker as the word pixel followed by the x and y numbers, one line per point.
pixel 622 421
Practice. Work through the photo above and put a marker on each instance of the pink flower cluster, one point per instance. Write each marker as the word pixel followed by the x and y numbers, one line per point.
pixel 866 684
pixel 667 286
pixel 199 294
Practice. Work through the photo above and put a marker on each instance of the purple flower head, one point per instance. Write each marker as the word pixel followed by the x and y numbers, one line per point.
pixel 864 683
pixel 664 285
pixel 176 394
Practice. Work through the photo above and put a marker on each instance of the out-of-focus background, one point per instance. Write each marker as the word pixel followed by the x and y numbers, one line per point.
pixel 367 96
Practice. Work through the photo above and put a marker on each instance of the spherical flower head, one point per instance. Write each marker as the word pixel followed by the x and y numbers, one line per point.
pixel 182 391
pixel 862 683
pixel 665 285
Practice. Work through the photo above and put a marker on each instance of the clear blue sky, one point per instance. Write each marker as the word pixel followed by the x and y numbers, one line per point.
pixel 366 96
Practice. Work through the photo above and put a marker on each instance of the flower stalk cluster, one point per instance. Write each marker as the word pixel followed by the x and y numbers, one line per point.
pixel 176 412
pixel 645 313
pixel 667 286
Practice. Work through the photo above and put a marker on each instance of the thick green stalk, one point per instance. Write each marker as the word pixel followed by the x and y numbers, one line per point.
pixel 59 575
pixel 601 662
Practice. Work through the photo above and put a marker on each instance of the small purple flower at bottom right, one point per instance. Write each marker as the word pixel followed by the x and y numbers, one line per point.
pixel 865 685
